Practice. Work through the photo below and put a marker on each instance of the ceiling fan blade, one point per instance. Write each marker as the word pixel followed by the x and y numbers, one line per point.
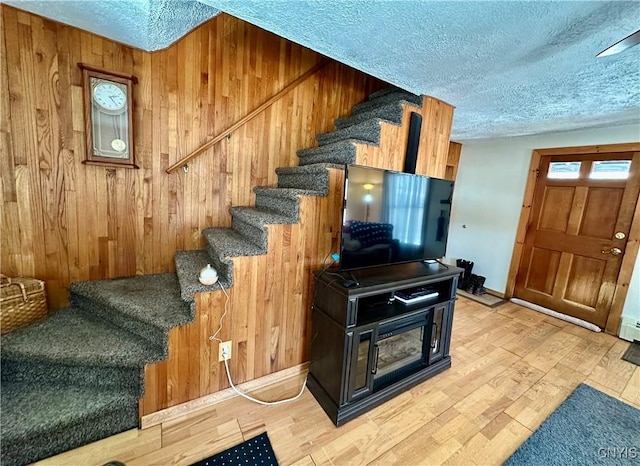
pixel 621 45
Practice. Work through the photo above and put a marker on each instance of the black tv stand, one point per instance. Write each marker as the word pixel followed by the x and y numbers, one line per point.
pixel 368 345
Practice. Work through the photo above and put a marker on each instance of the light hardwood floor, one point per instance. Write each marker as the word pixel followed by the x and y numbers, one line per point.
pixel 511 367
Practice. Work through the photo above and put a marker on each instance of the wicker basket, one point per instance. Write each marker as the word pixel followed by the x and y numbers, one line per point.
pixel 22 302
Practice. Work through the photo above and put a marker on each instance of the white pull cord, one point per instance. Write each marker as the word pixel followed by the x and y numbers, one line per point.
pixel 226 364
pixel 266 403
pixel 226 301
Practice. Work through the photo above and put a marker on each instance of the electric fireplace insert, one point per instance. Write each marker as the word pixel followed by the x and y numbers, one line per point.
pixel 381 337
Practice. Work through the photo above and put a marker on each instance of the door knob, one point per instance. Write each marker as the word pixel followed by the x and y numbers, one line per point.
pixel 619 235
pixel 612 251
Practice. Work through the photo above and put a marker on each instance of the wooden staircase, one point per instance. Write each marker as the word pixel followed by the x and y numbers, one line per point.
pixel 269 319
pixel 288 232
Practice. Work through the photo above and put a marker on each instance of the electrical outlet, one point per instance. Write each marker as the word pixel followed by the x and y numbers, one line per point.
pixel 224 348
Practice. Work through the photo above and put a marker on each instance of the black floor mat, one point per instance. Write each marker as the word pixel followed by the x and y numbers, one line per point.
pixel 633 353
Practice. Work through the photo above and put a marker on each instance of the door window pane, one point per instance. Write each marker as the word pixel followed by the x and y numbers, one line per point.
pixel 564 170
pixel 610 170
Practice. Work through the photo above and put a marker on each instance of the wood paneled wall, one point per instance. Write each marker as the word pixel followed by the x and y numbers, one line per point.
pixel 433 147
pixel 63 221
pixel 269 311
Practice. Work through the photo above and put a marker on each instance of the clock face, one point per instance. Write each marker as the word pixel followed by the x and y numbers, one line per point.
pixel 109 96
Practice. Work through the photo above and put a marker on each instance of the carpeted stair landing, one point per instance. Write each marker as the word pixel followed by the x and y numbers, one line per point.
pixel 78 376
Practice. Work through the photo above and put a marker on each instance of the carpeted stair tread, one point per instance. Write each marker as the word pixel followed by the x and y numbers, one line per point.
pixel 289 193
pixel 229 243
pixel 368 130
pixel 226 243
pixel 307 169
pixel 377 95
pixel 152 299
pixel 340 152
pixel 395 95
pixel 285 201
pixel 315 176
pixel 44 372
pixel 49 406
pixel 188 266
pixel 391 112
pixel 384 91
pixel 259 217
pixel 42 420
pixel 69 336
pixel 252 223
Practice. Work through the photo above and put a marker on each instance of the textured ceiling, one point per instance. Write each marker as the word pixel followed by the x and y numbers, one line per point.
pixel 510 68
pixel 144 24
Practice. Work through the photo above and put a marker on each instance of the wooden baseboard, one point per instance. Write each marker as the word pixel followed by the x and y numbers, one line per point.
pixel 209 400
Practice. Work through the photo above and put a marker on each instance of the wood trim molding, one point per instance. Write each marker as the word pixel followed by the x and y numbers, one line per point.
pixel 606 148
pixel 523 223
pixel 85 66
pixel 207 401
pixel 250 116
pixel 453 160
pixel 110 164
pixel 626 268
pixel 633 244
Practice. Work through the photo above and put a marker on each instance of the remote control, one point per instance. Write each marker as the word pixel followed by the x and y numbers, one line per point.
pixel 416 297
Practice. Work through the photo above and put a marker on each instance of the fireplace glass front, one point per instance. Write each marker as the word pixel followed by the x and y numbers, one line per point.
pixel 401 348
pixel 391 351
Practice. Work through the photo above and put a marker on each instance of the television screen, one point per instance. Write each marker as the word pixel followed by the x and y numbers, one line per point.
pixel 391 217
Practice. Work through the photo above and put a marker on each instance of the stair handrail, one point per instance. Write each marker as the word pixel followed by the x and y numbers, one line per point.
pixel 250 116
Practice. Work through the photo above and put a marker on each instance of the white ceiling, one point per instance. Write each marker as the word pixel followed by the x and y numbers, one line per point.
pixel 509 67
pixel 144 24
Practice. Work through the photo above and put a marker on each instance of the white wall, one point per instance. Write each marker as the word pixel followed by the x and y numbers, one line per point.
pixel 488 195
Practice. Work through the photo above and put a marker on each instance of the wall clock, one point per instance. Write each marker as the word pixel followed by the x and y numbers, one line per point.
pixel 108 107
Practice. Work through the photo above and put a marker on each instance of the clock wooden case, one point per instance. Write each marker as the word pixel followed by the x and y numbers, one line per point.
pixel 108 108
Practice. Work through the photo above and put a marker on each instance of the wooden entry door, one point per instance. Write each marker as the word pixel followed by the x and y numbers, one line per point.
pixel 581 216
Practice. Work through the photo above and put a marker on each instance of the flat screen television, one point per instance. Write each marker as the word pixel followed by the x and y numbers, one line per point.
pixel 392 218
